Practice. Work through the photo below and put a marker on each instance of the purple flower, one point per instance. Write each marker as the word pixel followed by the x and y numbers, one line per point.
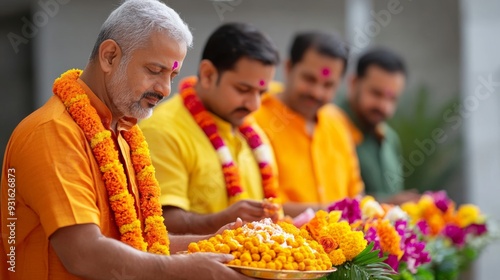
pixel 414 253
pixel 400 227
pixel 392 260
pixel 371 236
pixel 455 233
pixel 351 211
pixel 441 200
pixel 476 229
pixel 423 227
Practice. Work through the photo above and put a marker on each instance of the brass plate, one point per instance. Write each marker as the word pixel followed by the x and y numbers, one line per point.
pixel 263 273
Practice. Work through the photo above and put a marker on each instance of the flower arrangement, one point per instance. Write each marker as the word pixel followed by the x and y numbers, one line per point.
pixel 427 240
pixel 346 246
pixel 454 237
pixel 385 227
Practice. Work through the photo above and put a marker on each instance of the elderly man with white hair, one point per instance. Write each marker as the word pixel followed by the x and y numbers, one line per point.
pixel 78 188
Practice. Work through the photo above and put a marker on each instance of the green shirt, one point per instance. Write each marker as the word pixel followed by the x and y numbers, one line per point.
pixel 379 156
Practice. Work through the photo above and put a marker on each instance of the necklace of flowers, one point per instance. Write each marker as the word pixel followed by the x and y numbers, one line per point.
pixel 230 170
pixel 154 237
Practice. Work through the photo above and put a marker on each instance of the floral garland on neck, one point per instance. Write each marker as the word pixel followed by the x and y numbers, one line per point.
pixel 229 168
pixel 154 238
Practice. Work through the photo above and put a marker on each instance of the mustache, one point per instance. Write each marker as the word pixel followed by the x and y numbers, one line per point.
pixel 242 109
pixel 152 94
pixel 310 97
pixel 376 111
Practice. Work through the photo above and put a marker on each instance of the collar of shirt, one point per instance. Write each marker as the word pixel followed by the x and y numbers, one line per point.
pixel 289 117
pixel 229 133
pixel 378 132
pixel 104 113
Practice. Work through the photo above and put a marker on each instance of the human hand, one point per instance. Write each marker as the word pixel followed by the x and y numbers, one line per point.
pixel 247 210
pixel 238 223
pixel 273 209
pixel 206 266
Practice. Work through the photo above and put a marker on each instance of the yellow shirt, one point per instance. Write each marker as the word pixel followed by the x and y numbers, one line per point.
pixel 57 184
pixel 187 166
pixel 318 169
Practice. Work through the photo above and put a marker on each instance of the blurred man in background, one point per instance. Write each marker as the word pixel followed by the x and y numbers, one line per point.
pixel 208 171
pixel 373 94
pixel 316 158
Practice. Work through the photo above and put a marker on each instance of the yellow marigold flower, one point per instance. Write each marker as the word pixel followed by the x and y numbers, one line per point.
pixel 337 257
pixel 469 214
pixel 334 216
pixel 354 244
pixel 412 209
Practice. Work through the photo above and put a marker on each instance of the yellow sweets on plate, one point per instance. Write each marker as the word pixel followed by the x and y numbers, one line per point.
pixel 267 245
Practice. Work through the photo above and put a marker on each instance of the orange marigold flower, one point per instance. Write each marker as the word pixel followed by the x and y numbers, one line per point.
pixel 328 243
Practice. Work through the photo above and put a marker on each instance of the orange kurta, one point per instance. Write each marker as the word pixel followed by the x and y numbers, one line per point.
pixel 57 184
pixel 320 168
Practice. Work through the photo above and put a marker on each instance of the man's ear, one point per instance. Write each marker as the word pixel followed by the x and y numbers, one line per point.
pixel 208 73
pixel 110 55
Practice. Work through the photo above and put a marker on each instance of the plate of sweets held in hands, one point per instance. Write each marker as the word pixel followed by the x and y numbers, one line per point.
pixel 267 250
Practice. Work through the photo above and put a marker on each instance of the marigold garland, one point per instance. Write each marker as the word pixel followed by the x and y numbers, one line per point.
pixel 229 168
pixel 154 237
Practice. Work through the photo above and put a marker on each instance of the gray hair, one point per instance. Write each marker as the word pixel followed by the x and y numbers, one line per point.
pixel 131 24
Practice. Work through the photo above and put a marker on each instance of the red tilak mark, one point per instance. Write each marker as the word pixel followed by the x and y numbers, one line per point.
pixel 262 83
pixel 325 72
pixel 176 64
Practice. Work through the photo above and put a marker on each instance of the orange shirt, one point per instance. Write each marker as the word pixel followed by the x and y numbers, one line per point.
pixel 320 168
pixel 57 183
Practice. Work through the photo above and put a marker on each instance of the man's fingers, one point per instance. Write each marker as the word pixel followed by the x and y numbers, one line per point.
pixel 238 223
pixel 253 203
pixel 222 258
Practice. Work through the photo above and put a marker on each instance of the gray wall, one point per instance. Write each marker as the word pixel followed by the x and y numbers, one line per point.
pixel 481 114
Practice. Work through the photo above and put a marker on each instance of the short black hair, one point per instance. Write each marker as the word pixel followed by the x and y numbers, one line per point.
pixel 384 58
pixel 233 41
pixel 324 43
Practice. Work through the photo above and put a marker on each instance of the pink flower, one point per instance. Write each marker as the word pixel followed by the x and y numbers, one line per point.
pixel 351 211
pixel 441 200
pixel 455 233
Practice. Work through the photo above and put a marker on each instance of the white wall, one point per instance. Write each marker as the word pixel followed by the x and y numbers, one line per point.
pixel 480 45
